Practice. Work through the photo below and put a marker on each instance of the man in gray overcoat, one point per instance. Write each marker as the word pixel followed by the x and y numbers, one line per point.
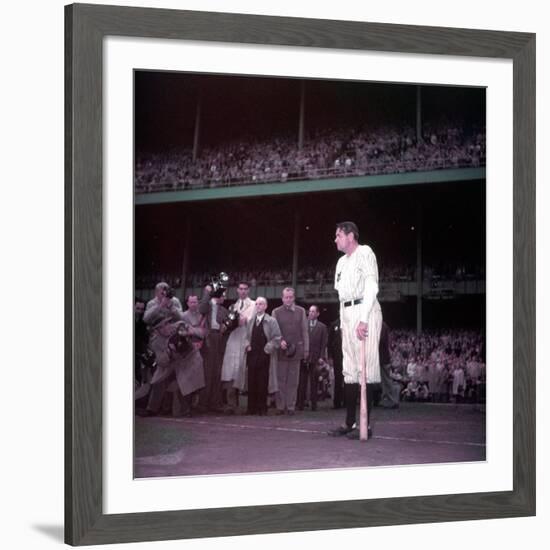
pixel 180 372
pixel 292 321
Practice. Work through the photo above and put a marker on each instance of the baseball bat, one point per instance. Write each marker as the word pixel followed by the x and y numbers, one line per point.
pixel 363 420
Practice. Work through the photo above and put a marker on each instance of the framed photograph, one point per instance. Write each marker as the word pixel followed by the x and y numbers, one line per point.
pixel 200 144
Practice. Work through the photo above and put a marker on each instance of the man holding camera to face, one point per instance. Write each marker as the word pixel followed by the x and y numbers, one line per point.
pixel 211 306
pixel 180 370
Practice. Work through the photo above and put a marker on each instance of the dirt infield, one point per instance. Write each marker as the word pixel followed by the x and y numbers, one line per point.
pixel 416 433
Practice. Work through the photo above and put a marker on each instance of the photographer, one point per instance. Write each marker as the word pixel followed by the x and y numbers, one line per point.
pixel 177 372
pixel 141 339
pixel 164 307
pixel 215 313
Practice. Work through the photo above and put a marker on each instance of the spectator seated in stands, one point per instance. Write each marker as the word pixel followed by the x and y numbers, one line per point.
pixel 329 153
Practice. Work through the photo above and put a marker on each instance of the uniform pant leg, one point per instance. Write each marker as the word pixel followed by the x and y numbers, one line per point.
pixel 352 398
pixel 351 393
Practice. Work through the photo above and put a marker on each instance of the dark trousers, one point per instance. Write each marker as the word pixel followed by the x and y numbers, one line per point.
pixel 181 406
pixel 351 397
pixel 389 399
pixel 258 379
pixel 338 383
pixel 211 395
pixel 308 378
pixel 156 395
pixel 161 400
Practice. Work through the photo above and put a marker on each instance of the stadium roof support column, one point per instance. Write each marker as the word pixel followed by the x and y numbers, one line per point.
pixel 301 122
pixel 197 131
pixel 419 268
pixel 296 248
pixel 418 114
pixel 186 257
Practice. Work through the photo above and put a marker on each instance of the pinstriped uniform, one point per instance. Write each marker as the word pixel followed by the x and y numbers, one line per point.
pixel 356 278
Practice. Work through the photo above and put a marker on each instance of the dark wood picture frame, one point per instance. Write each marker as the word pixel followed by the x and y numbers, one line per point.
pixel 85 28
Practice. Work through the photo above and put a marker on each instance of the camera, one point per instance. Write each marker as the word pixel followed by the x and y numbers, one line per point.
pixel 168 292
pixel 180 341
pixel 147 359
pixel 232 320
pixel 219 285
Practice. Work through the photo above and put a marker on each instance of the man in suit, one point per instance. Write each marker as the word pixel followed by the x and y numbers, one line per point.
pixel 309 372
pixel 215 313
pixel 262 339
pixel 292 321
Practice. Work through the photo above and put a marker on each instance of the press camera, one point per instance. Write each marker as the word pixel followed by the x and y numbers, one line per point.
pixel 219 285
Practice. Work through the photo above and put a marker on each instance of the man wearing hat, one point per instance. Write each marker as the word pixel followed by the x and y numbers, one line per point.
pixel 294 348
pixel 178 371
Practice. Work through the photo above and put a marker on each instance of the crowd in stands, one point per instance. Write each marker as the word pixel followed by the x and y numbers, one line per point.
pixel 442 366
pixel 330 153
pixel 315 275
